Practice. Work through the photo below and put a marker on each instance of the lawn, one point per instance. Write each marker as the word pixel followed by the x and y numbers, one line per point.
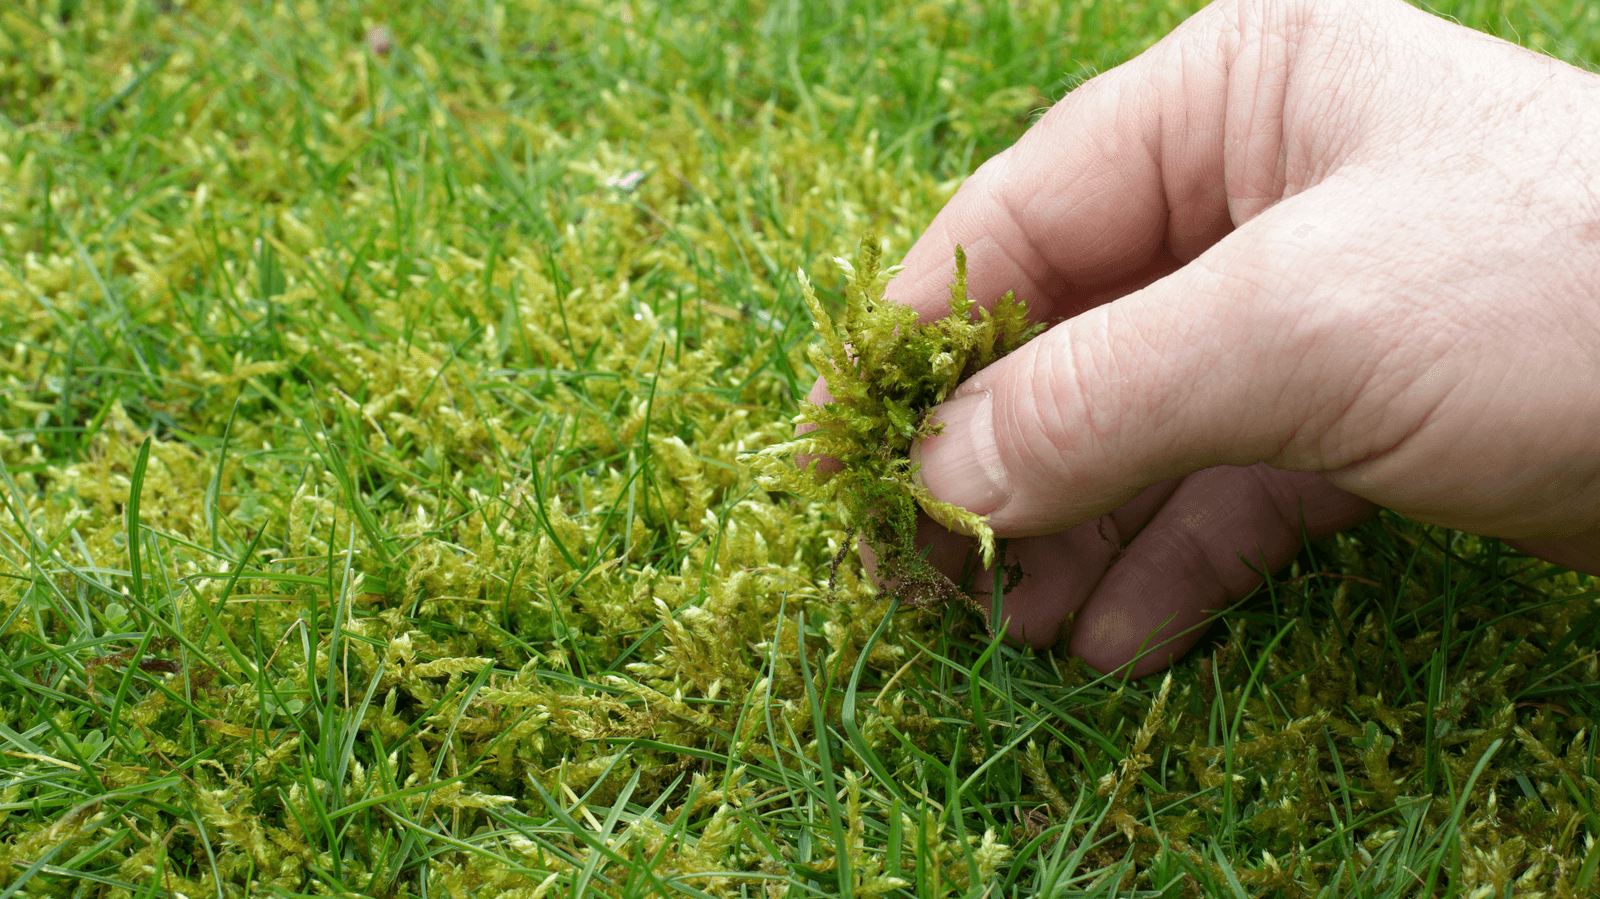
pixel 374 391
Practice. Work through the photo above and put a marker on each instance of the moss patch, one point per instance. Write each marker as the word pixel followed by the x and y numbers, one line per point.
pixel 372 519
pixel 886 370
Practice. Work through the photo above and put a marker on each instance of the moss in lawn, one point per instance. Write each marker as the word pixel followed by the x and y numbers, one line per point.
pixel 442 575
pixel 886 370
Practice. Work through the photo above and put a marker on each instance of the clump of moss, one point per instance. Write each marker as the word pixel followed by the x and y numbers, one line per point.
pixel 886 370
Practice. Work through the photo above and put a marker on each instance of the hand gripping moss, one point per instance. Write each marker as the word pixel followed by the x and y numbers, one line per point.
pixel 886 370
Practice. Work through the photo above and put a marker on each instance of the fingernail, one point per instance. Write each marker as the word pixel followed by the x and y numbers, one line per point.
pixel 962 464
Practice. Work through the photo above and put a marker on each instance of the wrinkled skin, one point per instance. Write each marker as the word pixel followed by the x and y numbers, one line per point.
pixel 1306 259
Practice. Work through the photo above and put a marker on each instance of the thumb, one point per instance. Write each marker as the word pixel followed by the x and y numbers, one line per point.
pixel 1223 362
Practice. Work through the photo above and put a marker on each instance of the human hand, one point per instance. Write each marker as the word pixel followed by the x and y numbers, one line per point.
pixel 1307 259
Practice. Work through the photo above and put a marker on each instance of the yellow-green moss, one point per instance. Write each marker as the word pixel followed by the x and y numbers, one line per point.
pixel 451 579
pixel 886 370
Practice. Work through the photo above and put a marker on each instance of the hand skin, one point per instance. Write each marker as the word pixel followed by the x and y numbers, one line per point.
pixel 1305 259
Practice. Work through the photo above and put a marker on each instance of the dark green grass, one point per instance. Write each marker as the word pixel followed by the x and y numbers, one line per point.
pixel 373 521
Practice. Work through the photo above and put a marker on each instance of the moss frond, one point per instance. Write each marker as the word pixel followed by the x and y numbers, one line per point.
pixel 886 370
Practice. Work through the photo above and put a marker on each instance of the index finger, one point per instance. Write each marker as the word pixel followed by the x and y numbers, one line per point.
pixel 1117 185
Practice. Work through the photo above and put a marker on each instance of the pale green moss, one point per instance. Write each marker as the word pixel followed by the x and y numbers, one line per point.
pixel 886 370
pixel 452 582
